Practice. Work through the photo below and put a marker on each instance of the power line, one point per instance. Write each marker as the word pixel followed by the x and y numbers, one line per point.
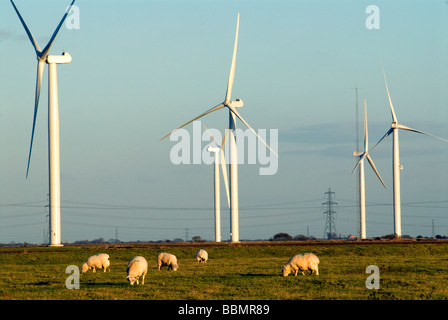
pixel 253 207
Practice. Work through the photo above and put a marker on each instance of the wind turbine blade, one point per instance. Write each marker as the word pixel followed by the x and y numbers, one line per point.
pixel 421 132
pixel 374 169
pixel 224 168
pixel 394 117
pixel 247 125
pixel 224 173
pixel 211 136
pixel 48 46
pixel 363 155
pixel 28 32
pixel 219 106
pixel 361 158
pixel 223 142
pixel 232 68
pixel 40 72
pixel 384 137
pixel 366 153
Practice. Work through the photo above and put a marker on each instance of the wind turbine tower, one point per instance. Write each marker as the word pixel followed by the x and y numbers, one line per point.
pixel 53 121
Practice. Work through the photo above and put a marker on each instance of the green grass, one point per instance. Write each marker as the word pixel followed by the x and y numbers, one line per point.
pixel 408 271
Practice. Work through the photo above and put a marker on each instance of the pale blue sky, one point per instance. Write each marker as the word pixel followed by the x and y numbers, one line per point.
pixel 142 68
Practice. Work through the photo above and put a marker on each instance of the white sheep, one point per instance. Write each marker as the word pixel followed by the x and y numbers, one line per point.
pixel 98 261
pixel 302 262
pixel 137 267
pixel 202 256
pixel 167 259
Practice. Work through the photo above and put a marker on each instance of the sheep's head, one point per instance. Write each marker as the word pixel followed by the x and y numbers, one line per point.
pixel 84 267
pixel 174 266
pixel 286 270
pixel 132 279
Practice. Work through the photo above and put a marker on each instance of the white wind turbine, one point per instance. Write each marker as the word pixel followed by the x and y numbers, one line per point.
pixel 362 185
pixel 233 113
pixel 217 194
pixel 53 121
pixel 396 167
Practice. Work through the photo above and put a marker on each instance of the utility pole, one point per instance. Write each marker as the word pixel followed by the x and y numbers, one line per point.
pixel 433 232
pixel 330 226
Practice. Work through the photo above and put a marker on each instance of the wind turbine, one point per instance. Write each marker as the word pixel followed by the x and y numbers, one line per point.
pixel 362 185
pixel 233 114
pixel 219 149
pixel 53 121
pixel 396 167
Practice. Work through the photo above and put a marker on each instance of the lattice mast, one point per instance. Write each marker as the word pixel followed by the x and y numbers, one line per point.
pixel 330 225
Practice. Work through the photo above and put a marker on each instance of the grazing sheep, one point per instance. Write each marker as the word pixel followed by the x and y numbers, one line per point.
pixel 100 261
pixel 302 262
pixel 137 267
pixel 202 256
pixel 167 259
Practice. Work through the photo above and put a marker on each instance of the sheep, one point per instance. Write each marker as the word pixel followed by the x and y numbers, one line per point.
pixel 202 256
pixel 302 262
pixel 137 267
pixel 167 259
pixel 100 261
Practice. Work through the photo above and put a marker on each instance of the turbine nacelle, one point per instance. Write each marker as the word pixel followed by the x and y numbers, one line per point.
pixel 59 59
pixel 213 149
pixel 238 103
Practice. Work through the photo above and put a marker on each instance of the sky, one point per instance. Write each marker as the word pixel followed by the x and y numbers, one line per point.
pixel 142 68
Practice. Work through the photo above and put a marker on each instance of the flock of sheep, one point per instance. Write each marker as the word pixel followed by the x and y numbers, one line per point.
pixel 138 266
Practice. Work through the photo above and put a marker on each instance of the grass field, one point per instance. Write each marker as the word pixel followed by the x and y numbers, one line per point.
pixel 246 271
